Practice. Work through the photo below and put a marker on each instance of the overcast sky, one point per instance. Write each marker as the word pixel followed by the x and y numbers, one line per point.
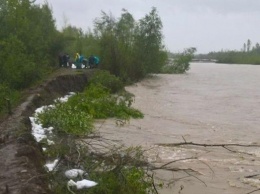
pixel 208 25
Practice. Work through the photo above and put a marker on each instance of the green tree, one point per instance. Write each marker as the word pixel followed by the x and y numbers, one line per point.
pixel 17 69
pixel 244 47
pixel 31 27
pixel 29 42
pixel 181 62
pixel 129 49
pixel 105 31
pixel 125 35
pixel 248 45
pixel 73 37
pixel 149 48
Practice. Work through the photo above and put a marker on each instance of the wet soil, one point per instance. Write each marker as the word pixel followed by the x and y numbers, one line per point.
pixel 21 157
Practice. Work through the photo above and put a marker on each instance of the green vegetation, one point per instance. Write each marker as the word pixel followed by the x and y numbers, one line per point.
pixel 115 173
pixel 247 55
pixel 66 118
pixel 118 170
pixel 29 43
pixel 180 62
pixel 111 82
pixel 128 49
pixel 252 57
pixel 96 102
pixel 7 97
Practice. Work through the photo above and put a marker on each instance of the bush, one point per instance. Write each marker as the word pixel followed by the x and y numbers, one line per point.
pixel 96 102
pixel 181 62
pixel 120 171
pixel 68 119
pixel 75 117
pixel 18 69
pixel 104 78
pixel 7 94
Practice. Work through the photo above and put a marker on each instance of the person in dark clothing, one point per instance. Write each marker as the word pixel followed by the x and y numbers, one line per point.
pixel 85 62
pixel 65 60
pixel 60 59
pixel 96 61
pixel 91 61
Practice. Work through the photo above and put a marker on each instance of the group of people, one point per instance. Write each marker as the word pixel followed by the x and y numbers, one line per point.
pixel 64 60
pixel 79 62
pixel 91 62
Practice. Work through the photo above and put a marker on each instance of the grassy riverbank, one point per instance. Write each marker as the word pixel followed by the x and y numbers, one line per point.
pixel 115 168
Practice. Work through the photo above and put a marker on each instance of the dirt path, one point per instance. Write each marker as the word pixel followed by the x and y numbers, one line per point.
pixel 21 158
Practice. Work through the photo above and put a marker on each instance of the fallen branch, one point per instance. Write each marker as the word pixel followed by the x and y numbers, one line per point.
pixel 154 186
pixel 234 151
pixel 253 191
pixel 162 166
pixel 250 176
pixel 207 145
pixel 195 177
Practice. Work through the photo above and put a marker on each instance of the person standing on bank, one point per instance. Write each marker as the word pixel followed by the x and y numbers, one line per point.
pixel 96 61
pixel 91 61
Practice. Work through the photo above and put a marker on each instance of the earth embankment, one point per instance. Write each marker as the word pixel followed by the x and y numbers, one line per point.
pixel 21 157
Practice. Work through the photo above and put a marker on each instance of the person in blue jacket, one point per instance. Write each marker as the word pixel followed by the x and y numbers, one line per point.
pixel 78 60
pixel 96 61
pixel 91 61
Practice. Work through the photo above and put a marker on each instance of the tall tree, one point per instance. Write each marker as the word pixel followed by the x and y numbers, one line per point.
pixel 125 33
pixel 149 45
pixel 244 47
pixel 32 28
pixel 105 31
pixel 248 45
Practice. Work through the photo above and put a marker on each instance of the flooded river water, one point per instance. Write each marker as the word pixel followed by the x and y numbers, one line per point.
pixel 211 104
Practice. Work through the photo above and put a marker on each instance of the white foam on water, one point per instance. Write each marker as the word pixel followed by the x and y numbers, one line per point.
pixel 255 182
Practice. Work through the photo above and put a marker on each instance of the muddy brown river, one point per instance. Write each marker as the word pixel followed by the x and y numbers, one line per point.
pixel 211 104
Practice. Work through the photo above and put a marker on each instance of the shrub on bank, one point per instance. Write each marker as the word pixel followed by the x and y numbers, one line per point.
pixel 95 102
pixel 8 98
pixel 181 62
pixel 109 81
pixel 75 117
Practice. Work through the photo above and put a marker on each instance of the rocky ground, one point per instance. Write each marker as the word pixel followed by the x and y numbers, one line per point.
pixel 21 157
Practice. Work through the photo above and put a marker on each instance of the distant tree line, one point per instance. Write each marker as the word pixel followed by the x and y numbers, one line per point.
pixel 247 55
